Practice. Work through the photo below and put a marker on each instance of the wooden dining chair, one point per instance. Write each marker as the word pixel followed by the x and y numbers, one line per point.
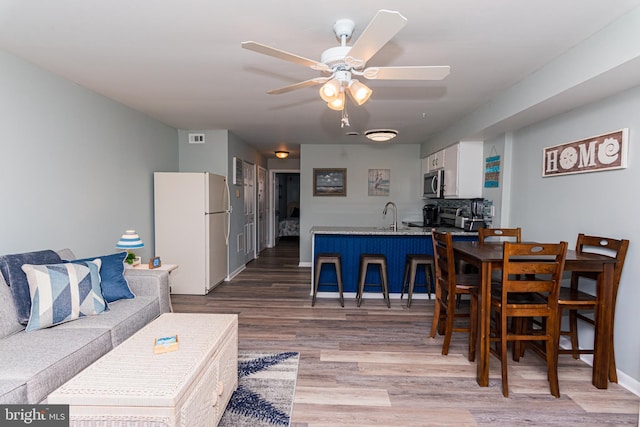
pixel 499 233
pixel 448 286
pixel 577 301
pixel 531 274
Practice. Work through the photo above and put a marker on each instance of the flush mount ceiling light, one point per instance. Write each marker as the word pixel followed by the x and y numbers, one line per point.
pixel 381 135
pixel 282 154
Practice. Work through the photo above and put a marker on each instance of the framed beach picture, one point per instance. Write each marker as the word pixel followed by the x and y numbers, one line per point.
pixel 379 181
pixel 329 182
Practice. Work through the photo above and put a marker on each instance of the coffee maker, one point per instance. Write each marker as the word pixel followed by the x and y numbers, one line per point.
pixel 429 215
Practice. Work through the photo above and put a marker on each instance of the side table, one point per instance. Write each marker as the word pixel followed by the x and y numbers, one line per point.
pixel 164 267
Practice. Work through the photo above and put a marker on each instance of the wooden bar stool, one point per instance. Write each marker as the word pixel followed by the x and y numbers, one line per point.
pixel 373 259
pixel 329 259
pixel 412 261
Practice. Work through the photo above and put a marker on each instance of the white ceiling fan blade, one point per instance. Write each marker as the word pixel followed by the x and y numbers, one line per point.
pixel 435 72
pixel 380 30
pixel 286 56
pixel 300 85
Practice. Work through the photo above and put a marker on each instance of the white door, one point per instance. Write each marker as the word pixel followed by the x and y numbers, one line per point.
pixel 262 208
pixel 249 211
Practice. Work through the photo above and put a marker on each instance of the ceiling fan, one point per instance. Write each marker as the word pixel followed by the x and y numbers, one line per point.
pixel 343 62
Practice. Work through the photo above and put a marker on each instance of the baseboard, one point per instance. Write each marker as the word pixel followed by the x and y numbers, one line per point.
pixel 234 273
pixel 304 264
pixel 624 380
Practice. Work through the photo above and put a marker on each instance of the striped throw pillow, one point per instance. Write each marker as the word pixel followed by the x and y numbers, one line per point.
pixel 63 292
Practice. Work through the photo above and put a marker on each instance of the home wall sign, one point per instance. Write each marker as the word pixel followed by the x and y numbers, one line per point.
pixel 595 154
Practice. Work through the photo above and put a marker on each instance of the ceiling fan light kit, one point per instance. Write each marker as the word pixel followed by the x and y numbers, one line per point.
pixel 341 62
pixel 359 92
pixel 381 135
pixel 330 91
pixel 338 103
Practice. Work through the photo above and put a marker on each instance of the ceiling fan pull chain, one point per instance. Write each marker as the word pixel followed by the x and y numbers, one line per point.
pixel 345 117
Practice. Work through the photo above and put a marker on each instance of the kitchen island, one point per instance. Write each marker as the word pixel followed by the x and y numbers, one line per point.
pixel 350 242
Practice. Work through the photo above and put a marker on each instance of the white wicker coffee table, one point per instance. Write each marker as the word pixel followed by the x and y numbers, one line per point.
pixel 133 386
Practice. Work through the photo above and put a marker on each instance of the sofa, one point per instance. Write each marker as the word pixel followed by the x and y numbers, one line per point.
pixel 36 360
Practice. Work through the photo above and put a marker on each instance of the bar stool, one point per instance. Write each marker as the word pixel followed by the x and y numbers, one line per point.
pixel 373 259
pixel 412 261
pixel 329 259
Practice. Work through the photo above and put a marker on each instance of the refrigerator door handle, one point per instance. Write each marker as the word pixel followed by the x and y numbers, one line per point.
pixel 229 209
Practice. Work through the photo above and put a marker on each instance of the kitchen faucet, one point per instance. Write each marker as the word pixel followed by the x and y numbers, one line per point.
pixel 394 226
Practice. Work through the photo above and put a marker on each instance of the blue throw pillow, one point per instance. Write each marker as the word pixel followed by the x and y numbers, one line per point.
pixel 63 292
pixel 11 267
pixel 114 285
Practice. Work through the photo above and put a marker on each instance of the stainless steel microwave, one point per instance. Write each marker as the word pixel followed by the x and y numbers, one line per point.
pixel 433 186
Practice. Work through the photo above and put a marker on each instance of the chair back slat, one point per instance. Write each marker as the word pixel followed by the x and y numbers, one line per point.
pixel 615 248
pixel 526 267
pixel 533 267
pixel 514 234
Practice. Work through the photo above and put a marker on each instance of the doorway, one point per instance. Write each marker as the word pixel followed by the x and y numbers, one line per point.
pixel 285 206
pixel 262 209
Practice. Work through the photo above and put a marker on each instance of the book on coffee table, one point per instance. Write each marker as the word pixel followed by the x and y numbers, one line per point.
pixel 166 344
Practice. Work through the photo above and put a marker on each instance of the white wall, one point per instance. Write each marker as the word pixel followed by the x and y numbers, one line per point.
pixel 500 196
pixel 358 208
pixel 76 168
pixel 283 164
pixel 211 156
pixel 601 203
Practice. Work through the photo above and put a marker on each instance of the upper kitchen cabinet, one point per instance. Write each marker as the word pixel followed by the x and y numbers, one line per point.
pixel 433 162
pixel 463 170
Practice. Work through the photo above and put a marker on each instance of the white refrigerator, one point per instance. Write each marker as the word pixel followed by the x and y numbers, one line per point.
pixel 192 216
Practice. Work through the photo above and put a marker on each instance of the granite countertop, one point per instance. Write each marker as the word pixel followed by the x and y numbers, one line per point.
pixel 402 231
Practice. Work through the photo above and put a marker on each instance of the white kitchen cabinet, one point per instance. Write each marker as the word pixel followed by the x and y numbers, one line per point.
pixel 436 161
pixel 425 166
pixel 463 170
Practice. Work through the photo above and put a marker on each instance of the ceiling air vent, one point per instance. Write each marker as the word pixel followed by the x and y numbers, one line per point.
pixel 196 138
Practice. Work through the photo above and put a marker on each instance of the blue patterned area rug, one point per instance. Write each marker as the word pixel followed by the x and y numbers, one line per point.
pixel 266 386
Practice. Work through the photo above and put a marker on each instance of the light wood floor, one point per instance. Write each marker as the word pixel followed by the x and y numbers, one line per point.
pixel 374 366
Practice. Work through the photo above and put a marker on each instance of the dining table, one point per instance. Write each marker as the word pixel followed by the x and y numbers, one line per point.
pixel 487 258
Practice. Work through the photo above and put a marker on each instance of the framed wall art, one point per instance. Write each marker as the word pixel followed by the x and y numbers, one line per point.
pixel 329 182
pixel 379 181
